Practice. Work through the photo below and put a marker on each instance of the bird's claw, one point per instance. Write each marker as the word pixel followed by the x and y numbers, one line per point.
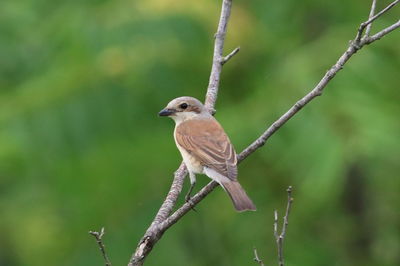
pixel 188 200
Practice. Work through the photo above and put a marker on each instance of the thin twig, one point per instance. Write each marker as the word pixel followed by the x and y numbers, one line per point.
pixel 276 234
pixel 382 33
pixel 218 58
pixel 229 56
pixel 281 237
pixel 257 259
pixel 372 19
pixel 99 240
pixel 371 14
pixel 288 206
pixel 318 89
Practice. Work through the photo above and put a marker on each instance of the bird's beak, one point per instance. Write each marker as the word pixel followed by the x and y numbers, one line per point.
pixel 166 112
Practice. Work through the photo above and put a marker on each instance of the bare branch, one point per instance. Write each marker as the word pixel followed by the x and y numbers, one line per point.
pixel 372 19
pixel 382 33
pixel 318 89
pixel 153 233
pixel 213 84
pixel 172 196
pixel 99 240
pixel 281 237
pixel 229 56
pixel 288 206
pixel 257 259
pixel 371 14
pixel 276 234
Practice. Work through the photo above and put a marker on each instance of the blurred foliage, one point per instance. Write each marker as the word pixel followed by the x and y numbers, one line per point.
pixel 81 145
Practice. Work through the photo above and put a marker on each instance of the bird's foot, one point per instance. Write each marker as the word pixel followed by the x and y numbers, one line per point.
pixel 188 201
pixel 188 197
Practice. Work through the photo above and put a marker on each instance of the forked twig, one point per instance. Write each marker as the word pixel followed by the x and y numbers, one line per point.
pixel 372 19
pixel 281 237
pixel 99 240
pixel 371 14
pixel 257 259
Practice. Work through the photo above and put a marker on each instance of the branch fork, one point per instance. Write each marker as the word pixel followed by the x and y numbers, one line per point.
pixel 229 56
pixel 280 237
pixel 256 258
pixel 361 40
pixel 99 239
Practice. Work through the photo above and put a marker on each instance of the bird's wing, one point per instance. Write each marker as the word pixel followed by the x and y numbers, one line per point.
pixel 206 140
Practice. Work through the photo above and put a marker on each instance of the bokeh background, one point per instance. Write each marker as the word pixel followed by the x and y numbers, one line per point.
pixel 81 145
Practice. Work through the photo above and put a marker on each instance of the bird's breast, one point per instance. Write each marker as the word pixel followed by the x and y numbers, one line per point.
pixel 190 161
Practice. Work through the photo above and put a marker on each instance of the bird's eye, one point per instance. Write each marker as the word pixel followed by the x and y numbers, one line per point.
pixel 183 105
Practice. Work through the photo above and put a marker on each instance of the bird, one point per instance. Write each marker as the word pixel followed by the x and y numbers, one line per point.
pixel 206 148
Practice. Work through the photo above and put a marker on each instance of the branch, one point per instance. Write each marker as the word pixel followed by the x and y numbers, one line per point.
pixel 99 241
pixel 382 33
pixel 372 19
pixel 218 59
pixel 163 219
pixel 318 89
pixel 172 196
pixel 281 237
pixel 257 259
pixel 229 56
pixel 371 14
pixel 153 234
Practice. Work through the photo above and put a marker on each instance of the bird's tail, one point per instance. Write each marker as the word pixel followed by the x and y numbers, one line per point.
pixel 240 200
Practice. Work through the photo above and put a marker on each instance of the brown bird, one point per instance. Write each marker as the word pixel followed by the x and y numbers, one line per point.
pixel 205 148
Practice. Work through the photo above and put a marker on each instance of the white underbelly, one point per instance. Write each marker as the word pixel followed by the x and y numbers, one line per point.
pixel 191 162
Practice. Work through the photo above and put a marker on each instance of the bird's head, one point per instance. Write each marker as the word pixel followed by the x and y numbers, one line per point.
pixel 184 108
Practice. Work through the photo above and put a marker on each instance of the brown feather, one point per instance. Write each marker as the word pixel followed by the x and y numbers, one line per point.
pixel 240 200
pixel 206 140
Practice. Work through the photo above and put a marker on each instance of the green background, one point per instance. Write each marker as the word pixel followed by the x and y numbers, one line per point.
pixel 81 146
